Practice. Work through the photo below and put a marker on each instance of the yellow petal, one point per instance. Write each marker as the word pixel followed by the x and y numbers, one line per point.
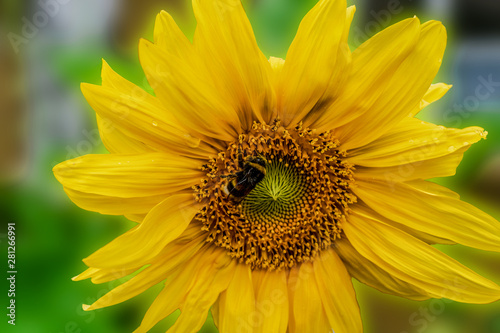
pixel 413 140
pixel 271 301
pixel 434 213
pixel 112 80
pixel 171 41
pixel 434 93
pixel 110 205
pixel 443 166
pixel 137 217
pixel 210 281
pixel 225 40
pixel 277 67
pixel 169 37
pixel 113 136
pixel 129 176
pixel 99 275
pixel 172 295
pixel 337 293
pixel 142 121
pixel 363 210
pixel 308 314
pixel 237 303
pixel 107 275
pixel 117 141
pixel 414 150
pixel 314 57
pixel 372 275
pixel 257 278
pixel 187 92
pixel 373 63
pixel 339 77
pixel 174 255
pixel 180 281
pixel 433 189
pixel 276 64
pixel 402 92
pixel 418 263
pixel 348 20
pixel 164 223
pixel 85 274
pixel 292 282
pixel 215 313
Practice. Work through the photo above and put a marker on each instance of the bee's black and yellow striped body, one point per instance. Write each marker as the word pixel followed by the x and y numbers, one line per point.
pixel 239 184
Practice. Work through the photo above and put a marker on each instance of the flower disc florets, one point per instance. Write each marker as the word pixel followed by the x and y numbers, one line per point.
pixel 296 210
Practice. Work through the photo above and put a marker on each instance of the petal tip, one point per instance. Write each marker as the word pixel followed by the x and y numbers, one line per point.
pixel 87 87
pixel 56 169
pixel 104 68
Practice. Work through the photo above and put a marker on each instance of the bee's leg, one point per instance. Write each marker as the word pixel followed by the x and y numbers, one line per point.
pixel 228 175
pixel 262 156
pixel 225 190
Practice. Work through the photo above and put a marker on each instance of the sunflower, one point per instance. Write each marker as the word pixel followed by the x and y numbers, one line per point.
pixel 261 187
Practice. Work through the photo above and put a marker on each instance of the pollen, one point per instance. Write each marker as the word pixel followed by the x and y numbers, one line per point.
pixel 294 212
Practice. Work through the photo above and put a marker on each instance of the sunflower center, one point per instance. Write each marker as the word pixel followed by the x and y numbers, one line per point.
pixel 276 198
pixel 282 215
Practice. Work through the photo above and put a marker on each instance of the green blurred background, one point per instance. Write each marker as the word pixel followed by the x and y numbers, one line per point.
pixel 44 120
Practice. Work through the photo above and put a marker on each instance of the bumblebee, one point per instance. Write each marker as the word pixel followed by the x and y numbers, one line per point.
pixel 239 184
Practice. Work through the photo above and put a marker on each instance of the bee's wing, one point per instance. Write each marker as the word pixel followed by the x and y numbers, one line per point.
pixel 245 178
